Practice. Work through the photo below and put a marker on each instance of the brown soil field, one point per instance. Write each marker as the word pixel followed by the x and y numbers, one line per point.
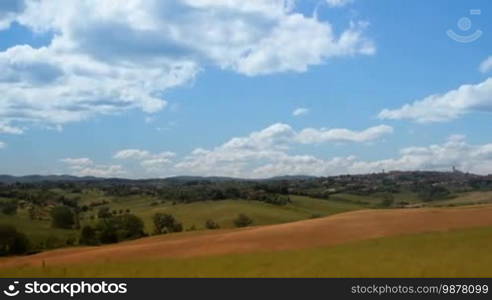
pixel 332 230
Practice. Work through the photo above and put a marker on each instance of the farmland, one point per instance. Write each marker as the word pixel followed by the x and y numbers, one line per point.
pixel 61 222
pixel 451 242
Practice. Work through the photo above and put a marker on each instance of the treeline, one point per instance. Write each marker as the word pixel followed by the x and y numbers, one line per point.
pixel 108 229
pixel 273 193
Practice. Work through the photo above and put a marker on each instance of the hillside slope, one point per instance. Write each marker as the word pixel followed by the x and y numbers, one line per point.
pixel 333 230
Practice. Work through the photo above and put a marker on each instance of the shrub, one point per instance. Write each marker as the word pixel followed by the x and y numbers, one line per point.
pixel 431 193
pixel 166 223
pixel 191 228
pixel 211 224
pixel 387 201
pixel 9 208
pixel 243 220
pixel 62 217
pixel 52 242
pixel 70 241
pixel 12 241
pixel 115 229
pixel 88 236
pixel 129 227
pixel 104 212
pixel 107 231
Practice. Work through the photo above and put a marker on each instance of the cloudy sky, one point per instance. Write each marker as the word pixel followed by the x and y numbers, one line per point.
pixel 157 88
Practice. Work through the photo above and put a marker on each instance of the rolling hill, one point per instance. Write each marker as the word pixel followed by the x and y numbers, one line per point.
pixel 333 231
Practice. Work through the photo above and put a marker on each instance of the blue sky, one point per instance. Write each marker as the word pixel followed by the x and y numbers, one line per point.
pixel 148 88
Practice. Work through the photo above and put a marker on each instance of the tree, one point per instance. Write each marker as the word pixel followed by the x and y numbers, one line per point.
pixel 12 241
pixel 129 227
pixel 88 236
pixel 107 231
pixel 431 193
pixel 62 217
pixel 104 212
pixel 211 224
pixel 243 220
pixel 387 200
pixel 9 208
pixel 114 229
pixel 166 223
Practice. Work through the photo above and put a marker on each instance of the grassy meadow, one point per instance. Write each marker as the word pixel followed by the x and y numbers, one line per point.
pixel 191 215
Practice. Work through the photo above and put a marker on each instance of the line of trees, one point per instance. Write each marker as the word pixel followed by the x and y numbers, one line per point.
pixel 109 228
pixel 12 242
pixel 112 229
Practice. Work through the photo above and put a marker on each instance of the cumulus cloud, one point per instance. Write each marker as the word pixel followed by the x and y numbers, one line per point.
pixel 39 86
pixel 268 153
pixel 248 157
pixel 486 65
pixel 78 161
pixel 108 57
pixel 454 152
pixel 149 161
pixel 86 167
pixel 444 107
pixel 132 154
pixel 9 11
pixel 338 3
pixel 8 129
pixel 253 155
pixel 311 135
pixel 301 111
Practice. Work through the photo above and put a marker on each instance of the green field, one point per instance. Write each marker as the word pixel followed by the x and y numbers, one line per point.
pixel 460 253
pixel 193 214
pixel 465 199
pixel 40 232
pixel 224 212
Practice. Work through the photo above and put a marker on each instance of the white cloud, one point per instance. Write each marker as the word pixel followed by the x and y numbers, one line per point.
pixel 454 152
pixel 338 3
pixel 102 171
pixel 42 86
pixel 9 11
pixel 2 145
pixel 254 155
pixel 86 167
pixel 299 42
pixel 301 111
pixel 132 154
pixel 267 153
pixel 108 57
pixel 444 107
pixel 151 162
pixel 486 65
pixel 8 129
pixel 78 161
pixel 311 135
pixel 251 158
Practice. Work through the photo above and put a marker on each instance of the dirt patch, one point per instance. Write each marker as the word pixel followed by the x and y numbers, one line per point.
pixel 333 230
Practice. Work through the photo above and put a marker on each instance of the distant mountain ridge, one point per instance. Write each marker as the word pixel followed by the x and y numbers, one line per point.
pixel 41 178
pixel 9 179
